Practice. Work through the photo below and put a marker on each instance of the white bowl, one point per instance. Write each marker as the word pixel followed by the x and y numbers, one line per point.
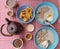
pixel 30 27
pixel 10 2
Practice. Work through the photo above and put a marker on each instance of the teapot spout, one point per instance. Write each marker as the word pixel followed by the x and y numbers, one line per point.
pixel 8 21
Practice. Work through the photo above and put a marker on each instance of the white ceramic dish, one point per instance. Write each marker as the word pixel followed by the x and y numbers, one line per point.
pixel 30 27
pixel 11 3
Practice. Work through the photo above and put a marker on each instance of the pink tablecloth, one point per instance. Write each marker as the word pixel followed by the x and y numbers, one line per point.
pixel 5 42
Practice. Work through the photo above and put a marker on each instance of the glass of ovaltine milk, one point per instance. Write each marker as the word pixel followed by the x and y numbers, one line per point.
pixel 17 43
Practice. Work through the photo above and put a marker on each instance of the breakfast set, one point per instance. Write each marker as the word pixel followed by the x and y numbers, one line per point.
pixel 46 13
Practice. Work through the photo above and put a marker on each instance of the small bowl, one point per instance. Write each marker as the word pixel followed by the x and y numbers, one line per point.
pixel 18 43
pixel 27 36
pixel 13 2
pixel 10 13
pixel 18 14
pixel 30 27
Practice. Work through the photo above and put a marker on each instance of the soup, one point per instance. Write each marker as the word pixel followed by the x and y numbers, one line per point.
pixel 44 35
pixel 45 13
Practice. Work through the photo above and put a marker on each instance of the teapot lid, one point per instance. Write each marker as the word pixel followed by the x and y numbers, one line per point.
pixel 11 28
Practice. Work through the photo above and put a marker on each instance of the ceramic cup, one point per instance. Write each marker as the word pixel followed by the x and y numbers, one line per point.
pixel 28 36
pixel 10 13
pixel 18 43
pixel 11 3
pixel 30 27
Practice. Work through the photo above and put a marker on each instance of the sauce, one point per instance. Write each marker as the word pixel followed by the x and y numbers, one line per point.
pixel 10 13
pixel 28 36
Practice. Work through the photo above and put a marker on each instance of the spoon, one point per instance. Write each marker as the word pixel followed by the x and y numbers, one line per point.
pixel 49 43
pixel 46 44
pixel 47 22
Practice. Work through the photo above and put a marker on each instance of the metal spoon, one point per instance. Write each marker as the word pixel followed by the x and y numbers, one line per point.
pixel 49 43
pixel 48 23
pixel 46 44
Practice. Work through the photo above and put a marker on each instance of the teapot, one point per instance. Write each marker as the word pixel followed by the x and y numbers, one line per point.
pixel 13 28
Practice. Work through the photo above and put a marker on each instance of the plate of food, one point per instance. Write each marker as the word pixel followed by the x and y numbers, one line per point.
pixel 25 14
pixel 46 11
pixel 46 38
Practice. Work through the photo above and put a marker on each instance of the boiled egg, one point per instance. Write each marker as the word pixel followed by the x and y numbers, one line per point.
pixel 49 17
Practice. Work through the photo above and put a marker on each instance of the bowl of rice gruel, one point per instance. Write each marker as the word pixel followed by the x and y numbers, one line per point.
pixel 46 11
pixel 46 34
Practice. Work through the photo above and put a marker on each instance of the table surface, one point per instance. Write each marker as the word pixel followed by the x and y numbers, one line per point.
pixel 6 42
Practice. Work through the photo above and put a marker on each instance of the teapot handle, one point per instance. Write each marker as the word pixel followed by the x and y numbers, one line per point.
pixel 3 33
